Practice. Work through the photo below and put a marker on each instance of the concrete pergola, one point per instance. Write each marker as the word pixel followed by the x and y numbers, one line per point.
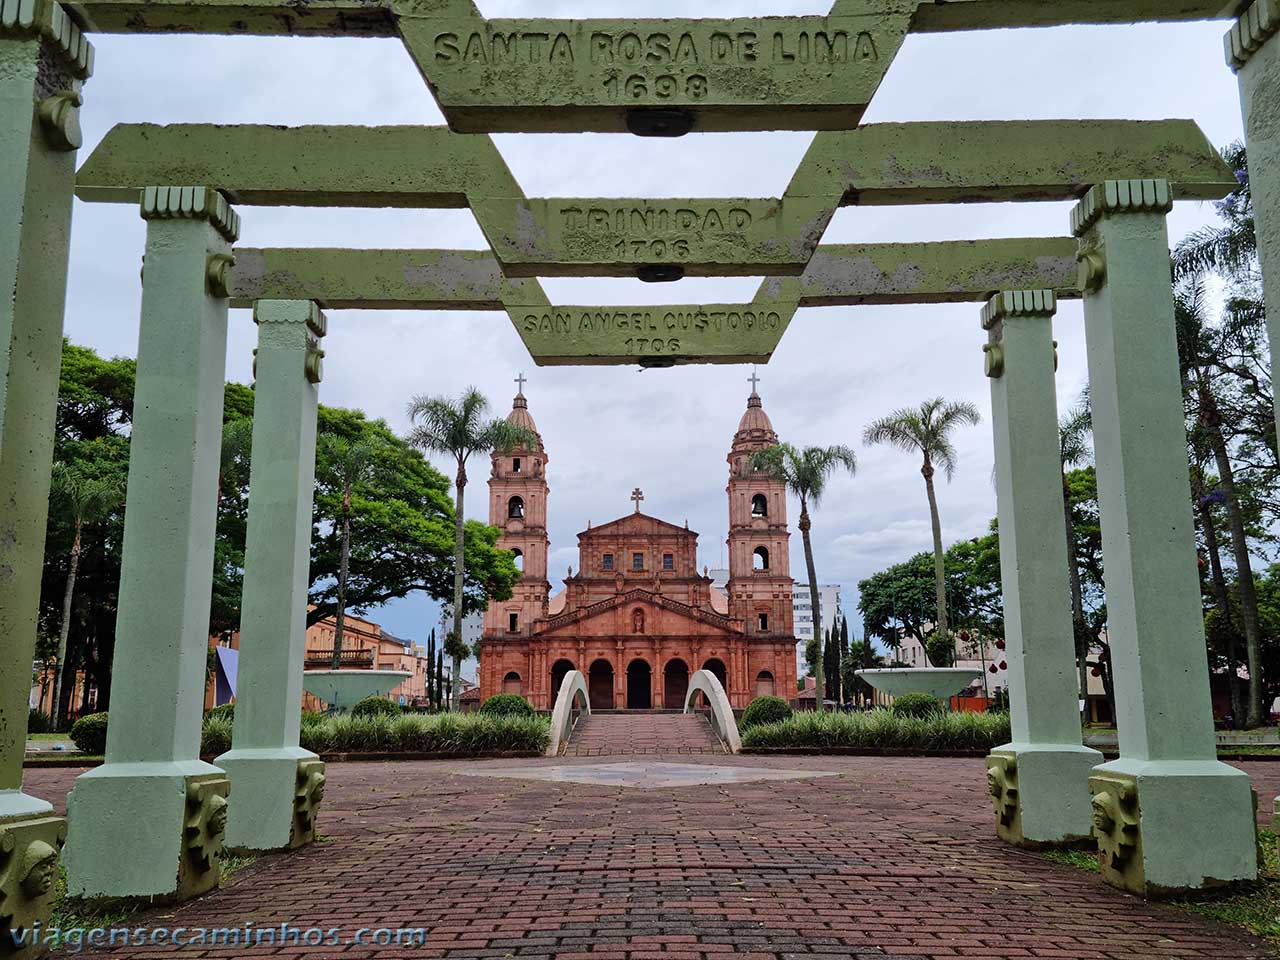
pixel 150 822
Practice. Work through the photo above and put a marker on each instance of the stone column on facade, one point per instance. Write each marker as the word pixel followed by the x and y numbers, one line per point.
pixel 149 822
pixel 1254 54
pixel 44 59
pixel 619 676
pixel 1168 815
pixel 276 785
pixel 1039 782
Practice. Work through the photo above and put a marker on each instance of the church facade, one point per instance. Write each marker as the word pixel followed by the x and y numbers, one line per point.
pixel 638 618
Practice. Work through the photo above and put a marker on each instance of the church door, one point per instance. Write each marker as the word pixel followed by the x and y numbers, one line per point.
pixel 639 686
pixel 600 685
pixel 675 684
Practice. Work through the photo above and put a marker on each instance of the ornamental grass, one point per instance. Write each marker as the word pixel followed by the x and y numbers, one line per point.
pixel 880 730
pixel 448 734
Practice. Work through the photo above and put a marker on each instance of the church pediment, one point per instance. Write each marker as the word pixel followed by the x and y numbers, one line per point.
pixel 617 616
pixel 637 523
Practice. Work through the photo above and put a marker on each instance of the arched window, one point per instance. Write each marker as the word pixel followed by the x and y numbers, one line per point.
pixel 518 557
pixel 511 683
pixel 637 620
pixel 515 508
pixel 760 558
pixel 765 686
pixel 759 505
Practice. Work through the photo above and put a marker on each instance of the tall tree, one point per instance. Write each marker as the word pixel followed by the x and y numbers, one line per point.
pixel 927 431
pixel 460 428
pixel 1231 248
pixel 805 474
pixel 1200 345
pixel 1075 450
pixel 348 464
pixel 83 501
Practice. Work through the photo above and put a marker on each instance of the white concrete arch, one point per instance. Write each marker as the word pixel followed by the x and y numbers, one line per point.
pixel 573 689
pixel 722 718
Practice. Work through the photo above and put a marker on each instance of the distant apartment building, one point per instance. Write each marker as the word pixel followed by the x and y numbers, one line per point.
pixel 472 626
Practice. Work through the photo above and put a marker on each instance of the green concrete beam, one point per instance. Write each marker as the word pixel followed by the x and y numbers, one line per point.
pixel 953 271
pixel 771 73
pixel 368 279
pixel 324 166
pixel 433 167
pixel 374 18
pixel 651 336
pixel 938 16
pixel 987 161
pixel 596 237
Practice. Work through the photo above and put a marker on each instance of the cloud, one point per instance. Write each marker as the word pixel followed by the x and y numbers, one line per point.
pixel 610 429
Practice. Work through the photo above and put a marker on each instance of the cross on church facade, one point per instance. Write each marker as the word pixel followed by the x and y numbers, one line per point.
pixel 520 382
pixel 637 496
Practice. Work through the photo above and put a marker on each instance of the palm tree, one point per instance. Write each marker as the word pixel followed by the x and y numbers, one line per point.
pixel 927 431
pixel 1202 347
pixel 1231 249
pixel 460 428
pixel 86 501
pixel 805 473
pixel 1074 450
pixel 347 465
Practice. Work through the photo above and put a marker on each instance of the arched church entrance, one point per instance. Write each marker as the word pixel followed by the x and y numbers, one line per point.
pixel 600 685
pixel 639 685
pixel 675 684
pixel 717 667
pixel 559 670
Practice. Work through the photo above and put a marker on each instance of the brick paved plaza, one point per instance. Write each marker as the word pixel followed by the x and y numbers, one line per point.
pixel 891 857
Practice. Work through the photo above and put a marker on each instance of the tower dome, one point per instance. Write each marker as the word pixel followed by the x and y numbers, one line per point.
pixel 755 430
pixel 520 415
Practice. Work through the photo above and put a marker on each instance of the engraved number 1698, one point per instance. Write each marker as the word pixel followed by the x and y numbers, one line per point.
pixel 665 87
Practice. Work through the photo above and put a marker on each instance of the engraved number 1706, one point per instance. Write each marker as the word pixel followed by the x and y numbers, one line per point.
pixel 664 87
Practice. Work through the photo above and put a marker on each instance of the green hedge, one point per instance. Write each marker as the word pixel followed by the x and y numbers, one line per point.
pixel 915 705
pixel 507 705
pixel 881 730
pixel 376 707
pixel 226 711
pixel 450 733
pixel 765 710
pixel 90 733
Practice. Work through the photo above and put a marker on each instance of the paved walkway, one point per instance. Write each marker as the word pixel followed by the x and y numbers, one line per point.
pixel 890 857
pixel 621 734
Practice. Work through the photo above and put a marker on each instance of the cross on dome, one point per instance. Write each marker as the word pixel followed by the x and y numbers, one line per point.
pixel 754 380
pixel 520 382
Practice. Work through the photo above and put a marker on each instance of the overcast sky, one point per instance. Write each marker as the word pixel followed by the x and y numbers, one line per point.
pixel 609 429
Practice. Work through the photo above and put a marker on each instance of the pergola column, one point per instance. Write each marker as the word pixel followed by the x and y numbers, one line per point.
pixel 150 821
pixel 276 785
pixel 1039 782
pixel 44 59
pixel 1254 55
pixel 1168 815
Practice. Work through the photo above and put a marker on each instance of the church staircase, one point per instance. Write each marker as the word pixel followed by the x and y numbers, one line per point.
pixel 633 732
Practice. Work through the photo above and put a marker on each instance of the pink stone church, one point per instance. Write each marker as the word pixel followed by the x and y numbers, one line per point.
pixel 638 617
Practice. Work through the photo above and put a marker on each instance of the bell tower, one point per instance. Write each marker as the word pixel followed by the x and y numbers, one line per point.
pixel 518 507
pixel 759 541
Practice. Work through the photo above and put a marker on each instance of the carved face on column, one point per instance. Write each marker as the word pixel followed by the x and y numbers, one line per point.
pixel 206 825
pixel 39 869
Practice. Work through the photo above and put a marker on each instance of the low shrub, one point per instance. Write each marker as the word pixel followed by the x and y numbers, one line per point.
pixel 915 705
pixel 507 705
pixel 37 722
pixel 376 707
pixel 215 737
pixel 882 730
pixel 90 733
pixel 765 710
pixel 225 711
pixel 450 734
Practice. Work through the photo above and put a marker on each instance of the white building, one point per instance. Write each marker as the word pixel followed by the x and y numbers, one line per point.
pixel 472 626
